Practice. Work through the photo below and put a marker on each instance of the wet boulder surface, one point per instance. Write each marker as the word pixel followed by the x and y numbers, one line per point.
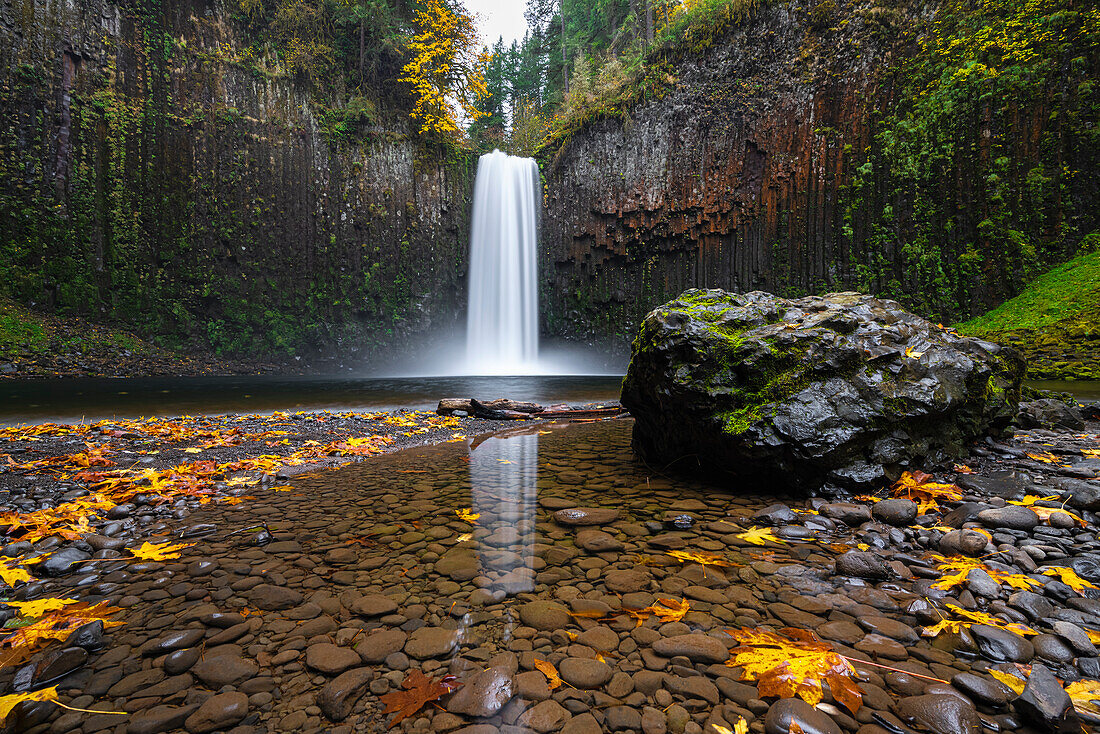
pixel 841 390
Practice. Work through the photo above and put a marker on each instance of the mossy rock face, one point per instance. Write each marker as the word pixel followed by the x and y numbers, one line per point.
pixel 841 390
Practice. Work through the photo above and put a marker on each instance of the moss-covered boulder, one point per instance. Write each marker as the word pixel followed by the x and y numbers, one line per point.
pixel 836 390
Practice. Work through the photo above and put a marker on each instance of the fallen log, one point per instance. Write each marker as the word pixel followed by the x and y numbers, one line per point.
pixel 447 406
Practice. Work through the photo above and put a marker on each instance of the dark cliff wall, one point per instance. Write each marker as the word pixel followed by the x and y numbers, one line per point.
pixel 156 171
pixel 792 157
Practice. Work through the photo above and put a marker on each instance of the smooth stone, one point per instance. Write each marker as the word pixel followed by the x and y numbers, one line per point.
pixel 1013 517
pixel 331 659
pixel 274 598
pixel 584 673
pixel 374 606
pixel 56 664
pixel 483 694
pixel 864 565
pixel 431 642
pixel 787 712
pixel 587 516
pixel 220 711
pixel 1046 703
pixel 895 511
pixel 696 647
pixel 180 661
pixel 939 713
pixel 173 641
pixel 545 615
pixel 1001 646
pixel 963 543
pixel 375 647
pixel 597 541
pixel 61 562
pixel 338 696
pixel 545 716
pixel 159 719
pixel 224 670
pixel 986 690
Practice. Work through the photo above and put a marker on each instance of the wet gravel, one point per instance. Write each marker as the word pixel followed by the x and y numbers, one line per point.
pixel 367 571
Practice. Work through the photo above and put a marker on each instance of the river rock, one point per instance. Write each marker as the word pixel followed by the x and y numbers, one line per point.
pixel 1046 703
pixel 696 647
pixel 862 564
pixel 431 642
pixel 786 712
pixel 220 711
pixel 544 615
pixel 331 659
pixel 584 673
pixel 597 541
pixel 587 516
pixel 842 389
pixel 1012 517
pixel 483 694
pixel 274 598
pixel 939 713
pixel 338 696
pixel 895 511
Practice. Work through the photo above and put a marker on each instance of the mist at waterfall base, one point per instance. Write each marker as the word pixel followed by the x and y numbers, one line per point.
pixel 502 319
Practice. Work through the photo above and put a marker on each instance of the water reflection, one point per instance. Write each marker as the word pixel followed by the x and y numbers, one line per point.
pixel 503 478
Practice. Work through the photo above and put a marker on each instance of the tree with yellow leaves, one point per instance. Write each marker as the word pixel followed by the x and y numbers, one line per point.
pixel 446 73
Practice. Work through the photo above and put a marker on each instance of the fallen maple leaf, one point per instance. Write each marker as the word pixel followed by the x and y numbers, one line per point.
pixel 703 559
pixel 1009 680
pixel 12 575
pixel 919 487
pixel 547 668
pixel 961 568
pixel 1070 578
pixel 7 703
pixel 39 607
pixel 794 662
pixel 1085 694
pixel 467 514
pixel 160 552
pixel 969 618
pixel 417 691
pixel 741 727
pixel 758 536
pixel 667 610
pixel 56 625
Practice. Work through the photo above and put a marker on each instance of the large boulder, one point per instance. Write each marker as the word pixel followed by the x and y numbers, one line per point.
pixel 841 389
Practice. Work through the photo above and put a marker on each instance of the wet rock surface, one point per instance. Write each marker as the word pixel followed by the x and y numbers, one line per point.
pixel 837 390
pixel 355 589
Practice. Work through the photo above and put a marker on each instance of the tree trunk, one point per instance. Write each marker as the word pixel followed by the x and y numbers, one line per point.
pixel 564 58
pixel 649 22
pixel 362 46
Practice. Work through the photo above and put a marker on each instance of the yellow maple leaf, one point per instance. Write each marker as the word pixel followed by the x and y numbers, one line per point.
pixel 39 607
pixel 966 618
pixel 7 703
pixel 1009 680
pixel 1085 694
pixel 1070 578
pixel 758 536
pixel 703 559
pixel 467 514
pixel 919 487
pixel 961 568
pixel 670 610
pixel 794 662
pixel 741 727
pixel 1046 457
pixel 11 574
pixel 160 552
pixel 193 451
pixel 547 668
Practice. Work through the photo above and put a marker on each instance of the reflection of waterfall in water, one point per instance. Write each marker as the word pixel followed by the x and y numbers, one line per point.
pixel 503 474
pixel 502 334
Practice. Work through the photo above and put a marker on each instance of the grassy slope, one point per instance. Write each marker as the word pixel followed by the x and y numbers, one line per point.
pixel 1064 293
pixel 1055 321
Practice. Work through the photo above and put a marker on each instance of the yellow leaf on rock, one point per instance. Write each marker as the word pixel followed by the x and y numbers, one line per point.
pixel 7 703
pixel 794 662
pixel 468 515
pixel 161 552
pixel 11 574
pixel 703 559
pixel 547 668
pixel 1009 680
pixel 1085 694
pixel 193 450
pixel 39 607
pixel 1070 578
pixel 758 536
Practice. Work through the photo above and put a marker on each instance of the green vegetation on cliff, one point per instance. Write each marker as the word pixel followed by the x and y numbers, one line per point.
pixel 1055 321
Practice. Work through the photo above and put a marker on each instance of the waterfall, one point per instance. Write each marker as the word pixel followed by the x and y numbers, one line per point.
pixel 502 324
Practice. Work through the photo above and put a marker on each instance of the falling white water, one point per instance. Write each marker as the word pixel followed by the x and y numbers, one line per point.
pixel 502 335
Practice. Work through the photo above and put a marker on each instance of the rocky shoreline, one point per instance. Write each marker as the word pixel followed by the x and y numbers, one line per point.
pixel 299 602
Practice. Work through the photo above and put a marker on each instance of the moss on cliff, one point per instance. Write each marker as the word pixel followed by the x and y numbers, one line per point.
pixel 1055 322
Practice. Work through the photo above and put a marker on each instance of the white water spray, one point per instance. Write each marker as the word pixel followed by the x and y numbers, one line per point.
pixel 502 328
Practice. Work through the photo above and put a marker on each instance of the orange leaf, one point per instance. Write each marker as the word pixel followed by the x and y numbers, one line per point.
pixel 417 691
pixel 551 673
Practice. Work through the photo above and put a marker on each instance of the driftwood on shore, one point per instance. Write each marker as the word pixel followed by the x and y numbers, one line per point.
pixel 505 409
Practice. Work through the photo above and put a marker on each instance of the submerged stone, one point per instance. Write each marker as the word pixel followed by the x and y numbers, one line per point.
pixel 842 389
